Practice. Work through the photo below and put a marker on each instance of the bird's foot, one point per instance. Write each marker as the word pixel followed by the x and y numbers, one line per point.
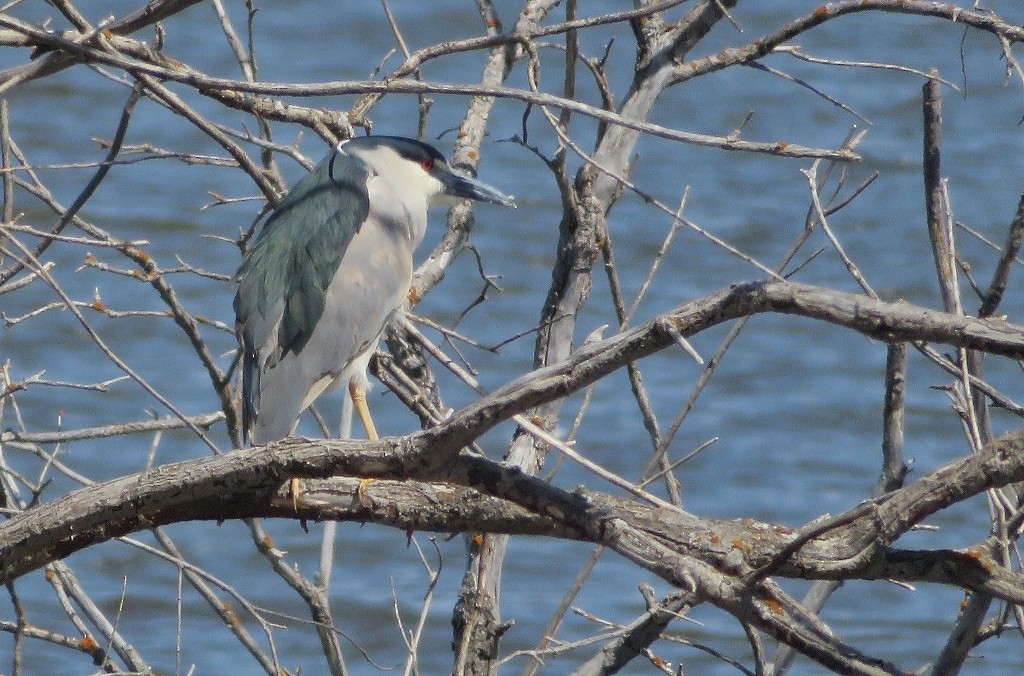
pixel 361 495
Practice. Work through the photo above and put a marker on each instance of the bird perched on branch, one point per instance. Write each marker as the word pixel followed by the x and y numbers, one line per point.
pixel 329 269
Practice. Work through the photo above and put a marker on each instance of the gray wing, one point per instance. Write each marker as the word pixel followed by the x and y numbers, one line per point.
pixel 284 277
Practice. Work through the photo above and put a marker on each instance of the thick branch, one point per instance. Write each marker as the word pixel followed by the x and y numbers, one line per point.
pixel 249 483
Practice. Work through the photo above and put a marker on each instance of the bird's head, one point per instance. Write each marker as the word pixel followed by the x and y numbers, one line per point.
pixel 420 166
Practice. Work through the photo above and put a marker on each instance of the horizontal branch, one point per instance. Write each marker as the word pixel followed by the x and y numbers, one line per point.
pixel 205 83
pixel 414 506
pixel 494 498
pixel 204 421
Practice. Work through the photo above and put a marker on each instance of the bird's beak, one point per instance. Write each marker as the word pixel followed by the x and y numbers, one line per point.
pixel 465 187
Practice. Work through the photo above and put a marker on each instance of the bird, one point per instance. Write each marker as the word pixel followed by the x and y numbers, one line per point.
pixel 329 269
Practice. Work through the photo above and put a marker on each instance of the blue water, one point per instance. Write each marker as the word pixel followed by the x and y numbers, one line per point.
pixel 796 403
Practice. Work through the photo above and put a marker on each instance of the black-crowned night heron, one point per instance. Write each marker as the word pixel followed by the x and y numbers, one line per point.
pixel 328 271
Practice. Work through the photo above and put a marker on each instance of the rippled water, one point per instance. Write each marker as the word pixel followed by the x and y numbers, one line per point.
pixel 796 403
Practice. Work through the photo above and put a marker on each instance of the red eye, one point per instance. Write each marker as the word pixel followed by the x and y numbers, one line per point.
pixel 427 164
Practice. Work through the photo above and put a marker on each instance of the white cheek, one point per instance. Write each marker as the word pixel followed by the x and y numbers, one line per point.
pixel 435 189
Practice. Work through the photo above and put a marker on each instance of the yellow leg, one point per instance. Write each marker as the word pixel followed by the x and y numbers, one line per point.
pixel 358 395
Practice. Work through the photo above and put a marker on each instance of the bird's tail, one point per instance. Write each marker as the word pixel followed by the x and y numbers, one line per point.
pixel 250 393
